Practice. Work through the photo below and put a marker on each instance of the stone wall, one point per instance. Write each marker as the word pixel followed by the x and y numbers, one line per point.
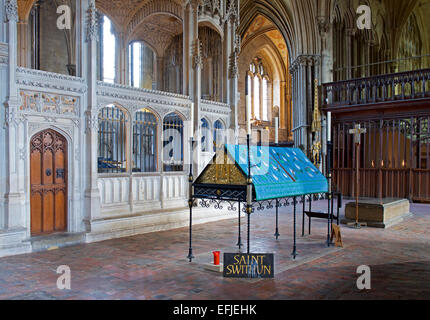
pixel 148 68
pixel 2 25
pixel 53 46
pixel 3 88
pixel 3 80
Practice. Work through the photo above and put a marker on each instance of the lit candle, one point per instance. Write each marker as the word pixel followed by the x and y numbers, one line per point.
pixel 277 130
pixel 328 126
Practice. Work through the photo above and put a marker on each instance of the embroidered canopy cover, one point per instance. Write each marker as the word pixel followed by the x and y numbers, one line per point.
pixel 276 173
pixel 279 172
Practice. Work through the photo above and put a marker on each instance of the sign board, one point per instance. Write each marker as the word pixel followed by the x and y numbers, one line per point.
pixel 336 234
pixel 239 265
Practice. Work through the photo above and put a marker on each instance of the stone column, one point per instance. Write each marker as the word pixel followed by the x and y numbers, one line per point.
pixel 326 74
pixel 210 80
pixel 100 51
pixel 293 98
pixel 289 108
pixel 302 85
pixel 304 70
pixel 80 18
pixel 121 59
pixel 15 198
pixel 283 108
pixel 327 53
pixel 24 46
pixel 2 19
pixel 227 51
pixel 92 194
pixel 160 73
pixel 197 64
pixel 233 78
pixel 349 53
pixel 188 36
pixel 309 91
pixel 154 72
pixel 3 94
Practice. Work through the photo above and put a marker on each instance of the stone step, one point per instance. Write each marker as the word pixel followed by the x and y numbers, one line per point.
pixel 55 241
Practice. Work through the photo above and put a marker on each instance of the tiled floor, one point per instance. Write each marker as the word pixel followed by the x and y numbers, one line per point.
pixel 153 266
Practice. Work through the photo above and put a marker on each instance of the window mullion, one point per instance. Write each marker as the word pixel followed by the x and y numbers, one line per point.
pixel 261 98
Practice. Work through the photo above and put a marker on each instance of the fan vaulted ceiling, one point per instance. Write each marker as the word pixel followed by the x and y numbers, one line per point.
pixel 123 11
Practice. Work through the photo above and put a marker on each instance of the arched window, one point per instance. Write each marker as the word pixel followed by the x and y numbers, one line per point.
pixel 205 135
pixel 256 100
pixel 249 80
pixel 135 63
pixel 141 65
pixel 219 135
pixel 265 102
pixel 107 47
pixel 173 143
pixel 145 141
pixel 258 84
pixel 112 140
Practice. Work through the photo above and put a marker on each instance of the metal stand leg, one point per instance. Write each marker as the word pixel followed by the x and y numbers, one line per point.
pixel 338 210
pixel 310 219
pixel 190 252
pixel 191 200
pixel 328 221
pixel 239 241
pixel 249 233
pixel 277 220
pixel 294 254
pixel 332 212
pixel 303 216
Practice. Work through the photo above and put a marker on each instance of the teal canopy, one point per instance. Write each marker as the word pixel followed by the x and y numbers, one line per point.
pixel 279 172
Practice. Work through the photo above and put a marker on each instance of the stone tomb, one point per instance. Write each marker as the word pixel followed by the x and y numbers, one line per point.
pixel 378 213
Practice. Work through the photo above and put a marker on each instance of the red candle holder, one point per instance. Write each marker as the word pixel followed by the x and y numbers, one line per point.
pixel 216 257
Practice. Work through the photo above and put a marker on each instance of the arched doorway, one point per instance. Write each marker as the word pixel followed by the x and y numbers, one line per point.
pixel 48 183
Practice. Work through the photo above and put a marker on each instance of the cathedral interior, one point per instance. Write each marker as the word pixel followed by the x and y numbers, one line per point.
pixel 100 98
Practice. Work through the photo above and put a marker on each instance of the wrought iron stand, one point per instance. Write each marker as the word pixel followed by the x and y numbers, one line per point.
pixel 329 195
pixel 191 200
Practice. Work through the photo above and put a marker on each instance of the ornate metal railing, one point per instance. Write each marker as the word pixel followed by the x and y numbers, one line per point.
pixel 405 86
pixel 259 206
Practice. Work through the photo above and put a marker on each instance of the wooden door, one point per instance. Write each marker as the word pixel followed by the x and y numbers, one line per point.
pixel 48 183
